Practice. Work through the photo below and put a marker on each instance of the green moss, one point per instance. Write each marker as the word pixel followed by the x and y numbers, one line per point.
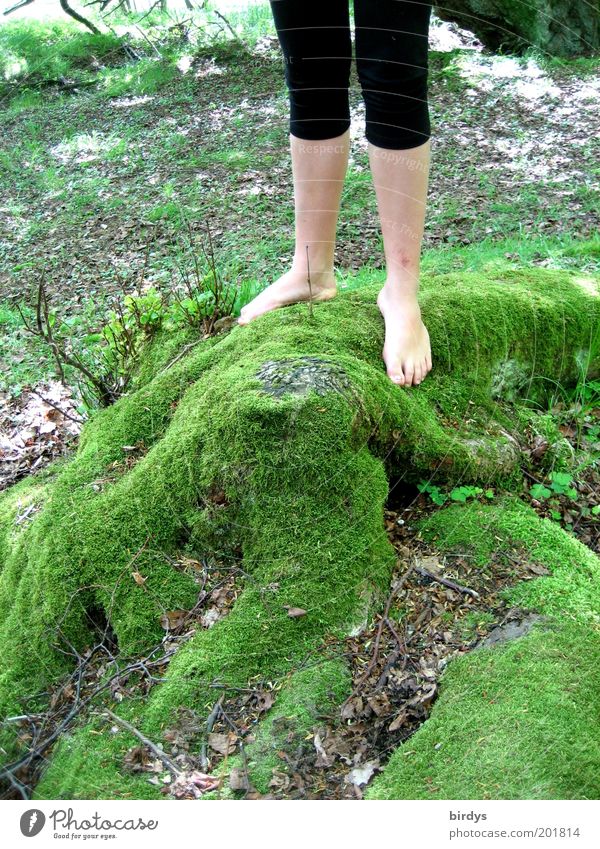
pixel 559 454
pixel 87 763
pixel 311 692
pixel 513 722
pixel 302 472
pixel 572 587
pixel 518 721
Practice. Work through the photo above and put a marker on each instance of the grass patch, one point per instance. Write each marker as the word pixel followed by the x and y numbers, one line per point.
pixel 33 53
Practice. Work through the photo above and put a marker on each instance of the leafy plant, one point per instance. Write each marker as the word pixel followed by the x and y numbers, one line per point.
pixel 539 491
pixel 459 493
pixel 463 493
pixel 208 295
pixel 434 492
pixel 560 483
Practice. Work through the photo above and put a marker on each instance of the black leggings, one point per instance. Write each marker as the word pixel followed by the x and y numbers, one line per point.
pixel 391 61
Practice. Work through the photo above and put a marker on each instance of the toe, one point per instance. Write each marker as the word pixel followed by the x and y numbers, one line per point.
pixel 418 377
pixel 409 373
pixel 397 377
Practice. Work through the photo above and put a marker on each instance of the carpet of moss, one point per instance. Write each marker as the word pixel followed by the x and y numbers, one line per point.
pixel 518 720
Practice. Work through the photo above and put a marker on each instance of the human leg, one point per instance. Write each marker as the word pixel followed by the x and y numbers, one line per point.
pixel 315 39
pixel 391 48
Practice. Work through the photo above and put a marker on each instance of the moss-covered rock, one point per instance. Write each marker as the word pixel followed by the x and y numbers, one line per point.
pixel 518 720
pixel 273 441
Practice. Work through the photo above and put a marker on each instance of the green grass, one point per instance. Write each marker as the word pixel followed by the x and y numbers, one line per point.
pixel 142 78
pixel 33 52
pixel 566 252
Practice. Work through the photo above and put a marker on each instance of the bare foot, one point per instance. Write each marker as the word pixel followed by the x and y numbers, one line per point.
pixel 406 352
pixel 291 288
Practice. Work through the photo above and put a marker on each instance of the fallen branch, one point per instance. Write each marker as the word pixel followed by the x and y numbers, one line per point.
pixel 382 622
pixel 212 717
pixel 165 759
pixel 57 408
pixel 446 582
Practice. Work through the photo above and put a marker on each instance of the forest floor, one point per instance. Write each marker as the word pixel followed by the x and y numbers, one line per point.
pixel 96 176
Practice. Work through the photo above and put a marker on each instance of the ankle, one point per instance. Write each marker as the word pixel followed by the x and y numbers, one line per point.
pixel 401 290
pixel 321 273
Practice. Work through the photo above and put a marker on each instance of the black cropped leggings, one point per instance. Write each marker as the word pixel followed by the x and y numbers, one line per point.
pixel 391 61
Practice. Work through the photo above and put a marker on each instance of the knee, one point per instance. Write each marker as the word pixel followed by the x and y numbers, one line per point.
pixel 318 91
pixel 396 103
pixel 392 83
pixel 303 73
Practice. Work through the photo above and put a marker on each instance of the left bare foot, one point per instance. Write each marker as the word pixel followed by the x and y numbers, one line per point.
pixel 407 352
pixel 291 288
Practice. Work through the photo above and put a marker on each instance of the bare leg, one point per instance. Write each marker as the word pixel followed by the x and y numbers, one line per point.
pixel 318 169
pixel 401 178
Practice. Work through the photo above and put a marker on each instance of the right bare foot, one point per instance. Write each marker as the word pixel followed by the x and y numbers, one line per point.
pixel 291 288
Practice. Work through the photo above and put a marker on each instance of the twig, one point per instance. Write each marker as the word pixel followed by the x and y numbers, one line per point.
pixel 56 407
pixel 38 749
pixel 228 25
pixel 447 583
pixel 165 759
pixel 151 43
pixel 212 717
pixel 240 744
pixel 391 662
pixel 180 355
pixel 17 6
pixel 382 622
pixel 394 634
pixel 22 718
pixel 310 295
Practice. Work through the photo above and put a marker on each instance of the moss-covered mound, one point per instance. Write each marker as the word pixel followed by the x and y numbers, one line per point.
pixel 518 720
pixel 273 442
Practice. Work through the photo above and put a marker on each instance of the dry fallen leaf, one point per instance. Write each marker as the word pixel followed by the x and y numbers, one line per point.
pixel 139 579
pixel 538 569
pixel 224 744
pixel 212 615
pixel 264 701
pixel 173 619
pixel 362 774
pixel 191 785
pixel 399 721
pixel 295 612
pixel 238 779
